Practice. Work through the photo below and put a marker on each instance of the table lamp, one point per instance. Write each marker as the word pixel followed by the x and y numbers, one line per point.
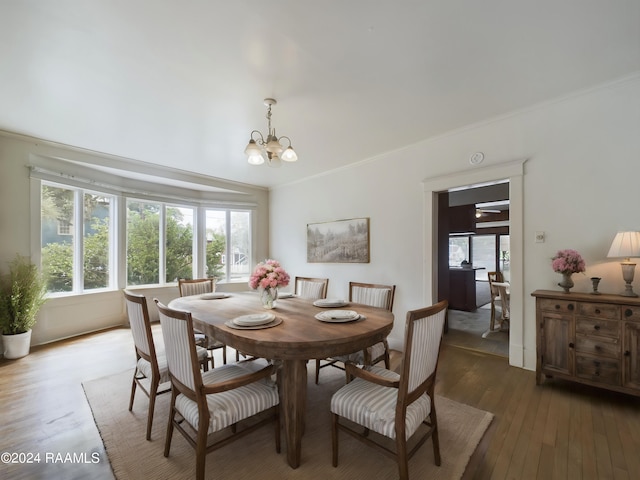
pixel 626 245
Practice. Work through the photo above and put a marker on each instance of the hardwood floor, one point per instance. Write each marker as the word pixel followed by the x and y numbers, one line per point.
pixel 557 430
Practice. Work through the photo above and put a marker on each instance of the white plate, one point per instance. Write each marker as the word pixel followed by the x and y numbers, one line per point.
pixel 338 316
pixel 330 302
pixel 214 296
pixel 254 319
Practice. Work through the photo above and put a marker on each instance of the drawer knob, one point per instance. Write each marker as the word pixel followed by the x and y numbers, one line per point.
pixel 570 307
pixel 571 345
pixel 598 347
pixel 597 327
pixel 628 312
pixel 557 307
pixel 597 310
pixel 627 353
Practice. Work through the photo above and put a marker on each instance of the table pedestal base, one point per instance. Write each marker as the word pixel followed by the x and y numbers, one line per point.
pixel 293 404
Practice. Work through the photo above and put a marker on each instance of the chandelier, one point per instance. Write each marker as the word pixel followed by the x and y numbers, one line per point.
pixel 258 150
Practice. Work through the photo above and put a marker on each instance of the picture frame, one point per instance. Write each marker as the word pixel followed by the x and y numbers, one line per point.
pixel 339 241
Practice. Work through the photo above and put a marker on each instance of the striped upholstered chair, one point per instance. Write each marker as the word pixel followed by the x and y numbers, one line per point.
pixel 215 400
pixel 311 288
pixel 395 405
pixel 200 286
pixel 151 373
pixel 373 295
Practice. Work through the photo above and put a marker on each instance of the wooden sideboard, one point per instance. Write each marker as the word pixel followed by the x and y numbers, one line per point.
pixel 590 339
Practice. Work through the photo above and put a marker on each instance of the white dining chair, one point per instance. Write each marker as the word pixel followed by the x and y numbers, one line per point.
pixel 212 401
pixel 391 404
pixel 374 295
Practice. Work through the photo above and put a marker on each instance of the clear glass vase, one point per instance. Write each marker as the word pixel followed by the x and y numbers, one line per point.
pixel 268 296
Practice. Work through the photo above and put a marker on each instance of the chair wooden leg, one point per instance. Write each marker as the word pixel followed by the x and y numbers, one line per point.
pixel 201 450
pixel 153 392
pixel 434 436
pixel 334 439
pixel 277 422
pixel 317 371
pixel 401 457
pixel 133 390
pixel 172 414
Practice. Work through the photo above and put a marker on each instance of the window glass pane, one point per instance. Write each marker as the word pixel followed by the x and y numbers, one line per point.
pixel 143 243
pixel 179 243
pixel 57 242
pixel 97 214
pixel 484 254
pixel 216 228
pixel 458 250
pixel 240 248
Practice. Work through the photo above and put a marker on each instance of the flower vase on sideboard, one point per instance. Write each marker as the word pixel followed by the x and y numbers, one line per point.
pixel 566 283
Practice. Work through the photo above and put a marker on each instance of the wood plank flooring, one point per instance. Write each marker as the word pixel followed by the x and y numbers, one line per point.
pixel 557 430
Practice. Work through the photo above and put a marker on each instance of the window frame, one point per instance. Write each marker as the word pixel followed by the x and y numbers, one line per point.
pixel 118 231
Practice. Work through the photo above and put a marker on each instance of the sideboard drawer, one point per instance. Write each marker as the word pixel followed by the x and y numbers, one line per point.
pixel 598 369
pixel 599 310
pixel 559 306
pixel 631 313
pixel 597 345
pixel 598 327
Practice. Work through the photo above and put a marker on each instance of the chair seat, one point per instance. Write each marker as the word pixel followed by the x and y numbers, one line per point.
pixel 374 406
pixel 228 408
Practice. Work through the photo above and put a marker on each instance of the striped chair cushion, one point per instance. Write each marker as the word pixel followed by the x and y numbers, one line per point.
pixel 196 288
pixel 232 406
pixel 374 407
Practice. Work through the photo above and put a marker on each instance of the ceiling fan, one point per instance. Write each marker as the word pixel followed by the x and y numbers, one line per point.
pixel 483 211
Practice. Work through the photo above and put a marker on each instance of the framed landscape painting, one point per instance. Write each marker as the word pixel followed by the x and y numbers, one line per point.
pixel 340 241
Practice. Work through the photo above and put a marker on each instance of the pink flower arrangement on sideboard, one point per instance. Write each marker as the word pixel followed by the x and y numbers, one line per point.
pixel 568 262
pixel 269 274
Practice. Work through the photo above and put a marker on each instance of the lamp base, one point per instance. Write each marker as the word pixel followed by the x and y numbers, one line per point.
pixel 628 269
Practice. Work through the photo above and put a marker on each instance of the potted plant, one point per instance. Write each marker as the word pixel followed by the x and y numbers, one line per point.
pixel 22 293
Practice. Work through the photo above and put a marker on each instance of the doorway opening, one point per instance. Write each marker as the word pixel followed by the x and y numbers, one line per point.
pixel 475 220
pixel 435 261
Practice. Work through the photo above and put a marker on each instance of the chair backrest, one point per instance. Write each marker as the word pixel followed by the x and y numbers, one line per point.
pixel 494 277
pixel 180 350
pixel 197 286
pixel 372 294
pixel 312 288
pixel 423 332
pixel 501 287
pixel 138 314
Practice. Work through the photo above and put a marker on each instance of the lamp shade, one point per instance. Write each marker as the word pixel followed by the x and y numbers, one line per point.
pixel 626 245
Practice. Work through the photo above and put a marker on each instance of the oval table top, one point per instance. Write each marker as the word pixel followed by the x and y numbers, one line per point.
pixel 299 336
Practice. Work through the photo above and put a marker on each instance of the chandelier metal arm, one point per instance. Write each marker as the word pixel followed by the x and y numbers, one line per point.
pixel 259 141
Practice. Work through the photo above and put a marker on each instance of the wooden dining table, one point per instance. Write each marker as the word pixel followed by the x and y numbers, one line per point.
pixel 298 338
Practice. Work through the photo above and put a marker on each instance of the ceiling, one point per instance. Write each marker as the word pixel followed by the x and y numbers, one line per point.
pixel 181 83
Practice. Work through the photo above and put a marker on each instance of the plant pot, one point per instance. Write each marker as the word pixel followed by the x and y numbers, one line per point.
pixel 16 346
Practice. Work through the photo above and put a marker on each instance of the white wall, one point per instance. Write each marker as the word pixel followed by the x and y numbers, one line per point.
pixel 580 186
pixel 69 316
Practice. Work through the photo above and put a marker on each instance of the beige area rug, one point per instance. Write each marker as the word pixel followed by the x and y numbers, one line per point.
pixel 254 456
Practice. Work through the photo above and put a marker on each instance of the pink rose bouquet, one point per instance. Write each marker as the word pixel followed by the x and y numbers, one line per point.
pixel 568 262
pixel 269 274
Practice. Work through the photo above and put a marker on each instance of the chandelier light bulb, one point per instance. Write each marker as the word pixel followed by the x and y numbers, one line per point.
pixel 289 155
